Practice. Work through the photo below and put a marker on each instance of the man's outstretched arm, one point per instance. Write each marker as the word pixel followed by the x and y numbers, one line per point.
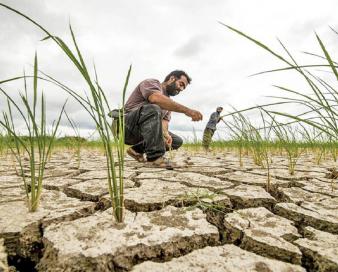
pixel 168 104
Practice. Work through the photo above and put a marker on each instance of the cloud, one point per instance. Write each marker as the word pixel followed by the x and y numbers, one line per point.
pixel 192 48
pixel 157 37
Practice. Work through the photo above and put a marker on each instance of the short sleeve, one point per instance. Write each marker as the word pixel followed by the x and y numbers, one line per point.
pixel 148 87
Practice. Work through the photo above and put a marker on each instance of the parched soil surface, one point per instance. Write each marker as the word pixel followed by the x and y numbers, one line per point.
pixel 208 215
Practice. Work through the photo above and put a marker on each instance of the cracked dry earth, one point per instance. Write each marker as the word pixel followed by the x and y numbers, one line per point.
pixel 209 215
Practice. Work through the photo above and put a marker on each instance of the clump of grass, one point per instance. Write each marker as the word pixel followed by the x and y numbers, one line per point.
pixel 39 143
pixel 76 141
pixel 98 107
pixel 238 134
pixel 316 142
pixel 333 149
pixel 3 143
pixel 250 137
pixel 245 134
pixel 261 147
pixel 286 136
pixel 203 200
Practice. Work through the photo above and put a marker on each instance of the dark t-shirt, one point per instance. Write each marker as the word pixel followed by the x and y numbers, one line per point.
pixel 139 96
pixel 214 119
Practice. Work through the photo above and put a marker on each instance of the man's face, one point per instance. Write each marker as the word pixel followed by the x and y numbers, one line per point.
pixel 175 86
pixel 219 110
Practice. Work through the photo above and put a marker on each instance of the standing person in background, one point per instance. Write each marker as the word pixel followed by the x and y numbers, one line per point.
pixel 211 128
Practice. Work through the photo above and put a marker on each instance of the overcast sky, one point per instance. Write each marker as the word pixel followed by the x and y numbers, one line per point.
pixel 158 36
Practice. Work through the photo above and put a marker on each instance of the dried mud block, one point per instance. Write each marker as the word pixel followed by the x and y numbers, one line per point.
pixel 283 173
pixel 59 172
pixel 239 177
pixel 228 258
pixel 21 229
pixel 198 159
pixel 318 212
pixel 317 186
pixel 203 161
pixel 142 169
pixel 53 173
pixel 156 194
pixel 10 181
pixel 12 194
pixel 320 250
pixel 89 165
pixel 156 174
pixel 244 167
pixel 97 243
pixel 3 257
pixel 93 174
pixel 312 161
pixel 58 183
pixel 310 167
pixel 206 170
pixel 297 195
pixel 8 163
pixel 264 233
pixel 330 181
pixel 248 196
pixel 201 181
pixel 101 174
pixel 92 190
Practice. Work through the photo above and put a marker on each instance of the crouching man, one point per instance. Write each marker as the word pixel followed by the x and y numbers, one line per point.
pixel 147 116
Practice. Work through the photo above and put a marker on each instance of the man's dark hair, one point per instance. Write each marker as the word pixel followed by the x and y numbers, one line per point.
pixel 177 74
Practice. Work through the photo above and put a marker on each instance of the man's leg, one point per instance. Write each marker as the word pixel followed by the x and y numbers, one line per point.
pixel 144 131
pixel 207 135
pixel 139 147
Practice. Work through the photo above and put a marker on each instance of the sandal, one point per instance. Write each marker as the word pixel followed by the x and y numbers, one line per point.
pixel 135 155
pixel 162 162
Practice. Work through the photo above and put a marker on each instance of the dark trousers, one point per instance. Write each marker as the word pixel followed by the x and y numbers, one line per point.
pixel 143 130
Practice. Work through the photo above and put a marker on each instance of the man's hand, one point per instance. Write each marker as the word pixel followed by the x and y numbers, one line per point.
pixel 168 140
pixel 195 115
pixel 166 136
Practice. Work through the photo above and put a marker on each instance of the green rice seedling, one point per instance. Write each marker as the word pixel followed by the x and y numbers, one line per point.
pixel 38 143
pixel 255 141
pixel 238 135
pixel 321 148
pixel 316 142
pixel 97 106
pixel 286 136
pixel 3 143
pixel 195 142
pixel 77 140
pixel 333 148
pixel 261 144
pixel 244 133
pixel 204 201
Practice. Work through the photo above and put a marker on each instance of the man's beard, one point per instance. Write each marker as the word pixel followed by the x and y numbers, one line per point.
pixel 172 90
